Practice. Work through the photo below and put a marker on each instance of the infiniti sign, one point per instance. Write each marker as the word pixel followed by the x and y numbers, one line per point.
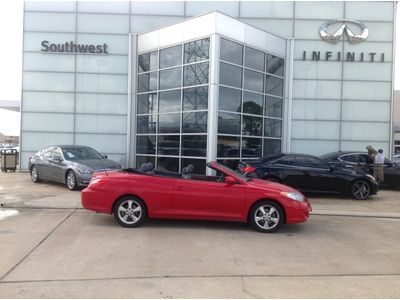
pixel 332 31
pixel 342 28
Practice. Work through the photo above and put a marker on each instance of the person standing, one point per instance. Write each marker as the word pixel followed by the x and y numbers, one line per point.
pixel 371 154
pixel 378 166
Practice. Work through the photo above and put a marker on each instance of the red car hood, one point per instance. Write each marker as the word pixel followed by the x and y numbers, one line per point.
pixel 272 185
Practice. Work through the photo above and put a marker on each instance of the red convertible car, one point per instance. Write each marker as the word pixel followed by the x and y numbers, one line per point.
pixel 133 195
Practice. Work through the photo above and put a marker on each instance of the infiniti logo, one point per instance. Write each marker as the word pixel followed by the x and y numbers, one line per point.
pixel 344 29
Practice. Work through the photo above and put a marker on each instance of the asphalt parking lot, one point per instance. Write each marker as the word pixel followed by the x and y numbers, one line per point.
pixel 51 248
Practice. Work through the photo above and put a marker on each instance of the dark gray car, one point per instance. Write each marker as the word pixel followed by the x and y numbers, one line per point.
pixel 69 164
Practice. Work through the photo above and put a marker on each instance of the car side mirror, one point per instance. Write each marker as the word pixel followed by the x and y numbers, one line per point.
pixel 332 168
pixel 230 180
pixel 104 155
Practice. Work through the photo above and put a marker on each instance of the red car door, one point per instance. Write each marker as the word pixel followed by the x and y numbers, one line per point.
pixel 209 199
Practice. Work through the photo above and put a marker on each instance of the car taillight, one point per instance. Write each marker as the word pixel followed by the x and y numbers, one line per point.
pixel 249 169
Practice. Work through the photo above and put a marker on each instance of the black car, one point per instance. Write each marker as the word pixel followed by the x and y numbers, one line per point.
pixel 311 174
pixel 361 161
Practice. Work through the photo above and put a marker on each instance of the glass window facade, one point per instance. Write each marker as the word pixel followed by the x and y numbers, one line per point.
pixel 172 112
pixel 250 108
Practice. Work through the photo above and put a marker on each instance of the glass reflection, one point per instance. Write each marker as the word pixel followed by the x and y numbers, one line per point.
pixel 195 98
pixel 144 159
pixel 197 50
pixel 228 146
pixel 231 52
pixel 252 125
pixel 272 128
pixel 230 163
pixel 194 145
pixel 170 101
pixel 169 123
pixel 170 78
pixel 253 81
pixel 228 123
pixel 146 144
pixel 199 165
pixel 171 56
pixel 254 59
pixel 144 62
pixel 273 107
pixel 153 60
pixel 168 164
pixel 147 103
pixel 274 85
pixel 271 146
pixel 147 82
pixel 194 122
pixel 148 61
pixel 251 147
pixel 230 75
pixel 229 99
pixel 252 103
pixel 168 145
pixel 195 74
pixel 275 65
pixel 147 124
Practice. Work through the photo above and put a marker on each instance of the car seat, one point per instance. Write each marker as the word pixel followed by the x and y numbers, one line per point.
pixel 186 171
pixel 147 168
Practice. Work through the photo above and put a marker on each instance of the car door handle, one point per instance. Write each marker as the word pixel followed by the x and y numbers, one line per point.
pixel 179 188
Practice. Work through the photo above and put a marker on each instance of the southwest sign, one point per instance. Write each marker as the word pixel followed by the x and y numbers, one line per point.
pixel 72 48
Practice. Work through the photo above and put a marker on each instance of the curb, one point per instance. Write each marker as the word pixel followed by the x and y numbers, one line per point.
pixel 355 214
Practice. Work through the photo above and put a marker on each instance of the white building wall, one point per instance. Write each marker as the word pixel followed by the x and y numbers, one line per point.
pixel 69 98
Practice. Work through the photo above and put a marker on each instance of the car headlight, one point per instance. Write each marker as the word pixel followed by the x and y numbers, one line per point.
pixel 294 196
pixel 83 170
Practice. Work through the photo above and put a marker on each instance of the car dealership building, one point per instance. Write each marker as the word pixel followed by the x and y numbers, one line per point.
pixel 187 82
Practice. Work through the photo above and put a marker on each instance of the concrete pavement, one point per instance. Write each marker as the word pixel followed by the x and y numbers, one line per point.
pixel 54 249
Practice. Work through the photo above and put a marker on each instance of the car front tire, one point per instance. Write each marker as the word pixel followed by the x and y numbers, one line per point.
pixel 71 181
pixel 130 211
pixel 35 175
pixel 266 216
pixel 360 189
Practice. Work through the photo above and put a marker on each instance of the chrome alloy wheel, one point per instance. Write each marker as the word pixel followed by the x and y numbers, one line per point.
pixel 129 211
pixel 71 180
pixel 34 174
pixel 360 189
pixel 267 217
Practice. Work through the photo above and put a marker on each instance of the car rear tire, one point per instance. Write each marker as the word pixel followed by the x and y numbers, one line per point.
pixel 360 189
pixel 266 216
pixel 71 181
pixel 35 175
pixel 130 211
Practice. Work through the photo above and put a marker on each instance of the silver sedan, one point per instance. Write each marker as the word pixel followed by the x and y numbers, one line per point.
pixel 69 164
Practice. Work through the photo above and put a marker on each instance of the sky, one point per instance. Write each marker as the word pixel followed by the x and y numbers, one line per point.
pixel 11 28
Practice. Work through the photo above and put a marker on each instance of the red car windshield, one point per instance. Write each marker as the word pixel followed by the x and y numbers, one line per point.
pixel 230 171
